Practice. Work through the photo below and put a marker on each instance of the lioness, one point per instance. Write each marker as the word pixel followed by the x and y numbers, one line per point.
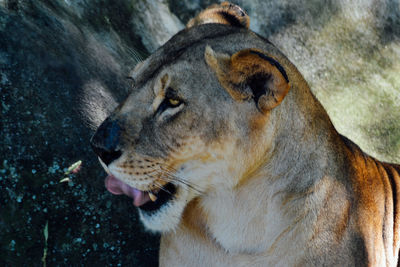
pixel 227 153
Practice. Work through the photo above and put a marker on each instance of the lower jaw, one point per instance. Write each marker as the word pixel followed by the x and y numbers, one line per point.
pixel 168 217
pixel 165 195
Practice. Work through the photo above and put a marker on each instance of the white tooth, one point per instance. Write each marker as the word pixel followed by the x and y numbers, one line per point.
pixel 152 197
pixel 104 166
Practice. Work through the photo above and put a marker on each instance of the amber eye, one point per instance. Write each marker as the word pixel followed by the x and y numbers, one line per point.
pixel 171 101
pixel 174 102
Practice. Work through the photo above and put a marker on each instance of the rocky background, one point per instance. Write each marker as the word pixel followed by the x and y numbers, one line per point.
pixel 63 67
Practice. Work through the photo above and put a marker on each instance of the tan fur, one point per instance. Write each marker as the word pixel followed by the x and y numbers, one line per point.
pixel 262 177
pixel 215 14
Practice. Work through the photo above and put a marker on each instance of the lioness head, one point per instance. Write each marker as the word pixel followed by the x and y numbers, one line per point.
pixel 199 119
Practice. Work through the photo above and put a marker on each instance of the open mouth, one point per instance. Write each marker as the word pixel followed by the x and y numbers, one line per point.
pixel 145 200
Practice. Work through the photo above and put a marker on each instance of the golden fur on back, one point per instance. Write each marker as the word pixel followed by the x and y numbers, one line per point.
pixel 255 172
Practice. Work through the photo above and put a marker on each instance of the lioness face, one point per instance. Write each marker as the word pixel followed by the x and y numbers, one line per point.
pixel 180 133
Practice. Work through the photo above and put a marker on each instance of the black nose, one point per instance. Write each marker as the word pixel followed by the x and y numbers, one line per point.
pixel 106 140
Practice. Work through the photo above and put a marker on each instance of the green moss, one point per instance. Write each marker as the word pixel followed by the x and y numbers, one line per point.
pixel 360 89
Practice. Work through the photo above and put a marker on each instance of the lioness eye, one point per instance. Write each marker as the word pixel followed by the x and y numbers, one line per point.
pixel 171 101
pixel 172 98
pixel 174 102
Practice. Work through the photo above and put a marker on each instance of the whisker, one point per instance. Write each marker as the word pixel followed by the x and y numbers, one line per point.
pixel 170 177
pixel 161 187
pixel 173 177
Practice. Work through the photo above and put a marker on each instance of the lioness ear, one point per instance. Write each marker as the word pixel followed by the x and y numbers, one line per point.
pixel 224 13
pixel 250 74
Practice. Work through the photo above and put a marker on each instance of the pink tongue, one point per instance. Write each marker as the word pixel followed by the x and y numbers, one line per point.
pixel 118 187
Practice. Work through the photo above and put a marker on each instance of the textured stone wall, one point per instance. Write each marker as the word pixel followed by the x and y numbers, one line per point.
pixel 63 67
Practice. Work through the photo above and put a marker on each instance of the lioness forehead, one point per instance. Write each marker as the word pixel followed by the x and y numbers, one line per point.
pixel 191 42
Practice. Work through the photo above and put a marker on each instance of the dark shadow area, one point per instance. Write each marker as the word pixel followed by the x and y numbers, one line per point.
pixel 49 59
pixel 389 23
